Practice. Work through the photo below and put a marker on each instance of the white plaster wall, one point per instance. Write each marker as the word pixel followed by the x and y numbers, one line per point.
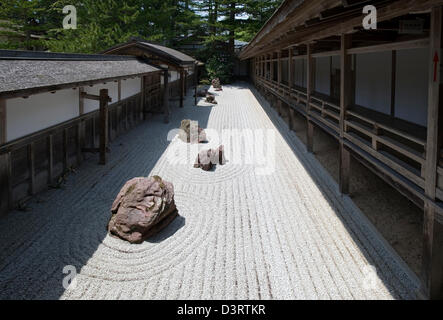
pixel 91 105
pixel 373 81
pixel 300 72
pixel 323 75
pixel 284 70
pixel 174 76
pixel 38 112
pixel 131 87
pixel 411 97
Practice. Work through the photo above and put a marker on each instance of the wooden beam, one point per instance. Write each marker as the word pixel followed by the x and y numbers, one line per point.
pixel 104 122
pixel 81 104
pixel 393 81
pixel 119 90
pixel 186 83
pixel 196 83
pixel 385 11
pixel 85 95
pixel 182 88
pixel 290 69
pixel 402 45
pixel 166 96
pixel 432 265
pixel 50 156
pixel 82 124
pixel 279 67
pixel 310 67
pixel 3 123
pixel 271 61
pixel 6 200
pixel 345 101
pixel 65 149
pixel 31 168
pixel 327 54
pixel 142 98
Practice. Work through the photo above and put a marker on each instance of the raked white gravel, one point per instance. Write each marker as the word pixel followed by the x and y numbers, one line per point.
pixel 240 234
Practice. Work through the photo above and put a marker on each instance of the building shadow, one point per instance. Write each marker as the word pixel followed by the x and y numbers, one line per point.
pixel 66 226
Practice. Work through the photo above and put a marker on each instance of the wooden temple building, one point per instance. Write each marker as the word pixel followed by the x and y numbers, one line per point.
pixel 179 66
pixel 377 91
pixel 57 108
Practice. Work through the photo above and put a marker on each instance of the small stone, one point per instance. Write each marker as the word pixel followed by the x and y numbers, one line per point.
pixel 216 83
pixel 190 132
pixel 207 159
pixel 211 99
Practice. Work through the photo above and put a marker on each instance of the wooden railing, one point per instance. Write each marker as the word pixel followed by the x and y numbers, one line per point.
pixel 398 144
pixel 40 160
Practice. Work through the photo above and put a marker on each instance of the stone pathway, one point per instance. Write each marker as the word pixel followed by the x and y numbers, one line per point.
pixel 242 233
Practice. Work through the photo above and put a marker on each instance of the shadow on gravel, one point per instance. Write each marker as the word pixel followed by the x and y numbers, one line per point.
pixel 169 231
pixel 65 227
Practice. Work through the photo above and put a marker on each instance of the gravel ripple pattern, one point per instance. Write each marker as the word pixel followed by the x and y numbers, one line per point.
pixel 240 235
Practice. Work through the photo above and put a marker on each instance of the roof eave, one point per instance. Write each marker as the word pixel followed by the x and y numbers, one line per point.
pixel 51 88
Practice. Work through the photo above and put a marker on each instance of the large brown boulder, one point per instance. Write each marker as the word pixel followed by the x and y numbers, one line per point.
pixel 143 207
pixel 190 132
pixel 207 159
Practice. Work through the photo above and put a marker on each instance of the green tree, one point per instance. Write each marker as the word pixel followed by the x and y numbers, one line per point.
pixel 101 24
pixel 23 23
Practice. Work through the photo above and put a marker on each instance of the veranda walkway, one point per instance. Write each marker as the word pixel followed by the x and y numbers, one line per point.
pixel 240 235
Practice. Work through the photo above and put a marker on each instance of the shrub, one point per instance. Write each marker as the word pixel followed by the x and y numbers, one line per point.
pixel 220 66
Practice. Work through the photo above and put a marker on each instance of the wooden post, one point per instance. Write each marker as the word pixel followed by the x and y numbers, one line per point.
pixel 196 82
pixel 393 82
pixel 79 142
pixel 142 99
pixel 264 66
pixel 310 89
pixel 2 121
pixel 345 101
pixel 182 88
pixel 50 150
pixel 166 96
pixel 65 149
pixel 279 70
pixel 290 70
pixel 31 167
pixel 82 125
pixel 119 90
pixel 186 83
pixel 4 163
pixel 272 67
pixel 104 98
pixel 432 264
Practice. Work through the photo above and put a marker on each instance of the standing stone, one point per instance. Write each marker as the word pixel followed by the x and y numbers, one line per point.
pixel 190 132
pixel 143 207
pixel 207 159
pixel 211 99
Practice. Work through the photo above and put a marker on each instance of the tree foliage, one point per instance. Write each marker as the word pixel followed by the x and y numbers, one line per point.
pixel 37 24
